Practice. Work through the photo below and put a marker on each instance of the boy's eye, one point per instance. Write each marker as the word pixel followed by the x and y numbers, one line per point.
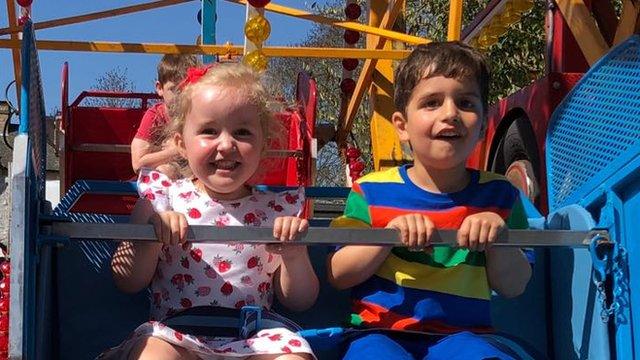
pixel 467 104
pixel 432 103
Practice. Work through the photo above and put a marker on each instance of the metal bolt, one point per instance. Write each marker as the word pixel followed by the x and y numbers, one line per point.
pixel 556 85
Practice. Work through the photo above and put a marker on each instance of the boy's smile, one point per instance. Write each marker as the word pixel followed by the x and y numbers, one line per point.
pixel 443 122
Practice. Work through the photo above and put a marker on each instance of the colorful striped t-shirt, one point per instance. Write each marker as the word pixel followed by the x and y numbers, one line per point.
pixel 446 291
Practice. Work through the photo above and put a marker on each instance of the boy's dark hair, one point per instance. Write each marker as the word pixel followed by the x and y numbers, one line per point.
pixel 449 59
pixel 173 67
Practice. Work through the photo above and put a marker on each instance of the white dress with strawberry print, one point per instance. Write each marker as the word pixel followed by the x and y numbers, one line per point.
pixel 225 275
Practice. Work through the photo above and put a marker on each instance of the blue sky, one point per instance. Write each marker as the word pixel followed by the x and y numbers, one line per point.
pixel 174 24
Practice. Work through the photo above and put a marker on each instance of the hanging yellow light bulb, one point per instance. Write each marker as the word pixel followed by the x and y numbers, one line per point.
pixel 257 60
pixel 257 29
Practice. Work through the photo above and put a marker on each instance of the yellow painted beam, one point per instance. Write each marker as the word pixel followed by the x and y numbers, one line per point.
pixel 364 80
pixel 385 144
pixel 161 48
pixel 629 17
pixel 94 16
pixel 15 52
pixel 392 35
pixel 455 20
pixel 584 29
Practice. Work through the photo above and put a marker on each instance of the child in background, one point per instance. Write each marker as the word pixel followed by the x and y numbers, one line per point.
pixel 222 124
pixel 147 147
pixel 441 93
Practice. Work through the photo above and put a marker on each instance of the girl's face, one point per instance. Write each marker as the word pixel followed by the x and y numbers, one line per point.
pixel 222 140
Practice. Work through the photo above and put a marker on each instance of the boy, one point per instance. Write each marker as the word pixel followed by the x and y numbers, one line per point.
pixel 441 93
pixel 147 147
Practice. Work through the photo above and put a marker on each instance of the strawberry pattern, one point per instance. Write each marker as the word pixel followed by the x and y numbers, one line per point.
pixel 229 275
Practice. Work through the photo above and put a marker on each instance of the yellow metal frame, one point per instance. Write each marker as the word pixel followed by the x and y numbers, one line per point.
pixel 629 21
pixel 15 52
pixel 14 28
pixel 576 14
pixel 161 48
pixel 385 143
pixel 350 25
pixel 584 29
pixel 455 20
pixel 344 125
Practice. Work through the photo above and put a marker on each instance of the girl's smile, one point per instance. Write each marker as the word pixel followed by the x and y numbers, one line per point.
pixel 222 140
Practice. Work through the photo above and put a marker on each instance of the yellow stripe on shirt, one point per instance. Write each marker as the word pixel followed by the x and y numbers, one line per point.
pixel 461 280
pixel 387 176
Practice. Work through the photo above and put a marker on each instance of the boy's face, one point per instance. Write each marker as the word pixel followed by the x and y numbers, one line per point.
pixel 167 91
pixel 443 121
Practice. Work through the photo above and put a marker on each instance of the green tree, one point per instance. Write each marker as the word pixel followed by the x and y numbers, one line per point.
pixel 516 59
pixel 114 80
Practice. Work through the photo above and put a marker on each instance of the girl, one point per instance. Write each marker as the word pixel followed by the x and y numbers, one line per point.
pixel 221 124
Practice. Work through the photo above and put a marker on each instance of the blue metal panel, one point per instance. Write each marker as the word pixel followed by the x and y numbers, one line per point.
pixel 593 160
pixel 208 35
pixel 629 341
pixel 31 124
pixel 596 126
pixel 616 201
pixel 577 330
pixel 24 88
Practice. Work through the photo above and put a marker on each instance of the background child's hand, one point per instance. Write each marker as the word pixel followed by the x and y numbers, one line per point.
pixel 285 229
pixel 416 231
pixel 170 226
pixel 172 170
pixel 479 231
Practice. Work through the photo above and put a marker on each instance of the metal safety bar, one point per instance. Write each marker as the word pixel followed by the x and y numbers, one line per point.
pixel 319 236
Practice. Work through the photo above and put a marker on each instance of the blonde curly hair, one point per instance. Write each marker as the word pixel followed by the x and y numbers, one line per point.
pixel 230 75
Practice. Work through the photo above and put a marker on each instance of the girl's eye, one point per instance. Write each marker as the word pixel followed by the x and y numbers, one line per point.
pixel 244 132
pixel 209 132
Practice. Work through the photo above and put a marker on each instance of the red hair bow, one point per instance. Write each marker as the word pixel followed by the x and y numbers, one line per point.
pixel 193 75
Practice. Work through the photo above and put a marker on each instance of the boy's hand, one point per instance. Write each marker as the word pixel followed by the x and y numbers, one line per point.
pixel 479 231
pixel 416 231
pixel 285 229
pixel 170 226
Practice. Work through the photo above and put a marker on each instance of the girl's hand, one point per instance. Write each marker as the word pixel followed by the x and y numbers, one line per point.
pixel 416 230
pixel 170 226
pixel 286 229
pixel 479 231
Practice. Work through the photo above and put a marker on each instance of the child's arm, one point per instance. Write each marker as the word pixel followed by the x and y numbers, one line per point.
pixel 134 263
pixel 508 270
pixel 142 154
pixel 352 265
pixel 296 283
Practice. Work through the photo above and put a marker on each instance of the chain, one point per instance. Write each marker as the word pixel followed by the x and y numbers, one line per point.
pixel 618 272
